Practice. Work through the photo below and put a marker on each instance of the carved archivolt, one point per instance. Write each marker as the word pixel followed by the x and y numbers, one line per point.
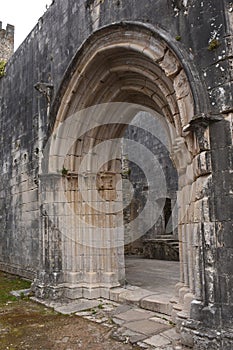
pixel 129 65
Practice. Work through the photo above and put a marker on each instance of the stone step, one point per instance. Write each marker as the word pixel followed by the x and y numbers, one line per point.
pixel 165 237
pixel 164 247
pixel 142 298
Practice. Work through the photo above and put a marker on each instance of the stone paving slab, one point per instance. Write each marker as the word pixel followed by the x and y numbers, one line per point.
pixel 157 340
pixel 118 321
pixel 122 308
pixel 133 337
pixel 161 319
pixel 19 293
pixel 135 315
pixel 146 327
pixel 171 334
pixel 79 305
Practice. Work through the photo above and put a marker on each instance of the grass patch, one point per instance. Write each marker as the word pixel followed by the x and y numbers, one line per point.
pixel 9 283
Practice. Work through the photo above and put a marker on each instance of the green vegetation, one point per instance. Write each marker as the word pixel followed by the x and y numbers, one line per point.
pixel 178 38
pixel 213 44
pixel 2 68
pixel 126 172
pixel 8 284
pixel 64 171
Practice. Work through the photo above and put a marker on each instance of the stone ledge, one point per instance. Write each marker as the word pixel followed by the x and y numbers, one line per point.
pixel 158 304
pixel 143 298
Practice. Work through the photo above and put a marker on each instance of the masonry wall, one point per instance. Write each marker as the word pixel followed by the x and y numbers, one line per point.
pixel 6 42
pixel 201 31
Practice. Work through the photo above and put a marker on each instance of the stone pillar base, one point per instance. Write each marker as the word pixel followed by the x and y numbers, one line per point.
pixel 66 291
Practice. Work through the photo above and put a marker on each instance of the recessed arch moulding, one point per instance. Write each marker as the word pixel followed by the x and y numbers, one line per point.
pixel 119 71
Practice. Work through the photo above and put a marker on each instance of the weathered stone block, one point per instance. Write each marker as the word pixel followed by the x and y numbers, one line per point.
pixel 91 293
pixel 181 85
pixel 202 164
pixel 170 64
pixel 223 208
pixel 224 234
pixel 156 304
pixel 224 260
pixel 220 134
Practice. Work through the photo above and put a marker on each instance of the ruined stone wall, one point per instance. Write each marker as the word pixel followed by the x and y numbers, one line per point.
pixel 6 42
pixel 200 33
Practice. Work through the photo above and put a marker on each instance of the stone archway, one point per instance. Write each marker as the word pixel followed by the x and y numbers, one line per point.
pixel 121 64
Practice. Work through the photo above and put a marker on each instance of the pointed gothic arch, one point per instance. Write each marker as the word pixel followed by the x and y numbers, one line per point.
pixel 125 64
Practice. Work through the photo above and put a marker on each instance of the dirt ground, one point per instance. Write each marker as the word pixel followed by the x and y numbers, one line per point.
pixel 27 325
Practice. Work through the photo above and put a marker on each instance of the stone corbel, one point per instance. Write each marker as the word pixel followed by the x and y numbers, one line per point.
pixel 47 90
pixel 199 124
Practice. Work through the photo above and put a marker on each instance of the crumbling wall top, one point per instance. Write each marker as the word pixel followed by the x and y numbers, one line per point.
pixel 6 42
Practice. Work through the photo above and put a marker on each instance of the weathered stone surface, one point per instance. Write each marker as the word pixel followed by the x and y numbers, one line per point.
pixel 19 293
pixel 158 304
pixel 134 296
pixel 80 305
pixel 6 42
pixel 170 64
pixel 157 341
pixel 146 327
pixel 171 334
pixel 160 54
pixel 133 315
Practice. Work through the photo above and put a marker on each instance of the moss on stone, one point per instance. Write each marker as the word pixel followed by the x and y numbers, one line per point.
pixel 214 43
pixel 2 68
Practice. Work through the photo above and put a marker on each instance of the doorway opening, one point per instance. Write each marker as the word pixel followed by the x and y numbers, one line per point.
pixel 151 253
